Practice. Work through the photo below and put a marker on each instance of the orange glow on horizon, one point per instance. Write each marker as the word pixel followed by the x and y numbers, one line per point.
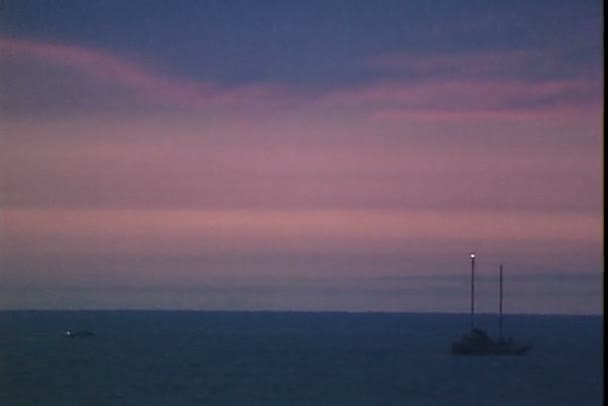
pixel 190 231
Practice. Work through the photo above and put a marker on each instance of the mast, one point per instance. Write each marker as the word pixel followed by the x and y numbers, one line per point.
pixel 472 255
pixel 500 303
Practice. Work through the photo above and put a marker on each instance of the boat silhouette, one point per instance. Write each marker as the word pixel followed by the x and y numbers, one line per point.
pixel 478 342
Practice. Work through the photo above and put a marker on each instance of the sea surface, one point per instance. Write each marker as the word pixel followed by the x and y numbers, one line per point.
pixel 292 358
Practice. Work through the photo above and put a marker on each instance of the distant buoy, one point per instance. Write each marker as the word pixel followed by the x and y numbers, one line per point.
pixel 78 333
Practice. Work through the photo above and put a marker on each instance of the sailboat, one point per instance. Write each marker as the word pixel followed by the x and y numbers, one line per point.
pixel 477 341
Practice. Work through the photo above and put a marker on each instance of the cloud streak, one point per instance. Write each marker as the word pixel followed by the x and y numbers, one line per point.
pixel 253 165
pixel 96 231
pixel 422 86
pixel 150 86
pixel 509 84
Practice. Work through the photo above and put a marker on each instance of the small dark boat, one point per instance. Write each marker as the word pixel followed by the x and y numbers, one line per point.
pixel 477 341
pixel 78 333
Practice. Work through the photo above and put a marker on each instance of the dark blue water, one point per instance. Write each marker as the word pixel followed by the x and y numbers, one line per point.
pixel 209 358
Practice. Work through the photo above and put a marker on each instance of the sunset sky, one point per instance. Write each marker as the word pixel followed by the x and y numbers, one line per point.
pixel 301 155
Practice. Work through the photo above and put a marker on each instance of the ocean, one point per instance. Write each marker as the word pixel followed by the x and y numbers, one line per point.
pixel 292 358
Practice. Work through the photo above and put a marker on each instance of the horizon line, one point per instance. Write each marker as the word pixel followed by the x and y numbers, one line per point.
pixel 395 312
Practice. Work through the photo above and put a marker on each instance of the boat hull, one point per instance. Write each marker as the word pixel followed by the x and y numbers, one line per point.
pixel 477 342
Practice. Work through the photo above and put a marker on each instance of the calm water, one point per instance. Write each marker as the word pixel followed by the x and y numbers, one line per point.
pixel 208 358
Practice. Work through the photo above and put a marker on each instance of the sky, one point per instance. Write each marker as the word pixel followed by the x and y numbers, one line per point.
pixel 301 155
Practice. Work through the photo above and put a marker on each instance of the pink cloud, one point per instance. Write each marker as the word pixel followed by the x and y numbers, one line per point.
pixel 475 85
pixel 103 66
pixel 151 86
pixel 469 98
pixel 183 164
pixel 508 63
pixel 179 231
pixel 456 87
